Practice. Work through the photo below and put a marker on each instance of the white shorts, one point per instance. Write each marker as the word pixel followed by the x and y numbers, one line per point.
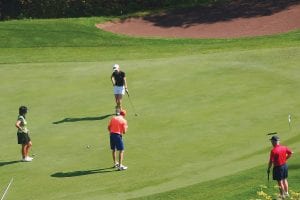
pixel 119 90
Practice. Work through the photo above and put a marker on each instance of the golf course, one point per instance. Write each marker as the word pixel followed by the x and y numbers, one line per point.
pixel 205 107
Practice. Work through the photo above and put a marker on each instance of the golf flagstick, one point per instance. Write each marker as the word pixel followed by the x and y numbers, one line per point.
pixel 131 103
pixel 7 188
pixel 290 120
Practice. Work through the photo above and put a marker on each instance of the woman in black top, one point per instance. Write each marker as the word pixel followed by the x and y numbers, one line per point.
pixel 118 79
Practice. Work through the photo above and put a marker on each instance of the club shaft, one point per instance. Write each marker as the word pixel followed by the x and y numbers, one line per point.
pixel 131 103
pixel 7 188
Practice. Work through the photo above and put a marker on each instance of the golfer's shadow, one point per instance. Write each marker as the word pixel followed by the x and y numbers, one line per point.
pixel 82 119
pixel 83 173
pixel 9 162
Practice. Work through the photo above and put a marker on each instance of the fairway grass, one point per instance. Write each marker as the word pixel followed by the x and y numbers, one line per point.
pixel 202 124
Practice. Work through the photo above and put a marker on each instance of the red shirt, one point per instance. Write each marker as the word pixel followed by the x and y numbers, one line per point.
pixel 117 125
pixel 279 154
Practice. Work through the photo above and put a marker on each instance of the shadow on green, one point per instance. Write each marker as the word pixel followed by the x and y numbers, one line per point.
pixel 83 173
pixel 9 162
pixel 82 119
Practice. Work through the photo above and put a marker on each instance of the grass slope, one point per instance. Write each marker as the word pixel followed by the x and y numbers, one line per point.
pixel 243 185
pixel 205 108
pixel 75 40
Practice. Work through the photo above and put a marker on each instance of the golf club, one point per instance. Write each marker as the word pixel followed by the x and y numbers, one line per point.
pixel 268 172
pixel 131 103
pixel 7 188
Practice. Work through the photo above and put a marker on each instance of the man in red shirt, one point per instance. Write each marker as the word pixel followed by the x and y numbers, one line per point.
pixel 278 157
pixel 117 127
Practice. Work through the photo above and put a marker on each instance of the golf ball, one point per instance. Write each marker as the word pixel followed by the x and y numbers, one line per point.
pixel 88 146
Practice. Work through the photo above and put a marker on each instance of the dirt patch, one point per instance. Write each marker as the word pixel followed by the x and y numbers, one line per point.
pixel 240 18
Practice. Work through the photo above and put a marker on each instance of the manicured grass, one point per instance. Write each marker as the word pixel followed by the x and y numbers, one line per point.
pixel 243 185
pixel 205 107
pixel 69 40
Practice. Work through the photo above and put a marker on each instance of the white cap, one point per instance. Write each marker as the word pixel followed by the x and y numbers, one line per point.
pixel 116 67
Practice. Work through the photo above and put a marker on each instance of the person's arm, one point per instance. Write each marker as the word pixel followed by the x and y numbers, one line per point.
pixel 125 84
pixel 113 80
pixel 20 128
pixel 269 166
pixel 125 126
pixel 270 162
pixel 109 125
pixel 288 153
pixel 18 125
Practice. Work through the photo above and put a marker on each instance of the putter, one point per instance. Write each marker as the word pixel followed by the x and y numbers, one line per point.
pixel 268 172
pixel 7 188
pixel 131 103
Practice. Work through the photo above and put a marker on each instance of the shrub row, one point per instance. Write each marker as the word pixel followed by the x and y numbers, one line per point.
pixel 12 9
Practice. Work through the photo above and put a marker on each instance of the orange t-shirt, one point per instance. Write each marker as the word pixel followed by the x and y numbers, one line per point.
pixel 118 125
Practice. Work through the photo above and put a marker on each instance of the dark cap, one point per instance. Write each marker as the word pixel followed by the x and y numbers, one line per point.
pixel 274 138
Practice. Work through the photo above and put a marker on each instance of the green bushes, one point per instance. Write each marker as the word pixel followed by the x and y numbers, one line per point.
pixel 11 9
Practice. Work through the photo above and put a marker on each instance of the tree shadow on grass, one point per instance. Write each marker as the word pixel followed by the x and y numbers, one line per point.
pixel 77 119
pixel 218 12
pixel 83 173
pixel 9 162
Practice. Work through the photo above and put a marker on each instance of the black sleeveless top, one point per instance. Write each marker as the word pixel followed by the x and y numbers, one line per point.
pixel 119 77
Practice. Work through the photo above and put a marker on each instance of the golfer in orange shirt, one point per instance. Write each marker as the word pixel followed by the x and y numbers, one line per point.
pixel 117 127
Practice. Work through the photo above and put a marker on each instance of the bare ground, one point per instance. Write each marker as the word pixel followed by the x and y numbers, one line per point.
pixel 240 18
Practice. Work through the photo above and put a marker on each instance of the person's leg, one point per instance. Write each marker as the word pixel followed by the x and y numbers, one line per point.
pixel 27 148
pixel 114 156
pixel 285 186
pixel 280 186
pixel 118 98
pixel 121 156
pixel 23 150
pixel 120 148
pixel 113 149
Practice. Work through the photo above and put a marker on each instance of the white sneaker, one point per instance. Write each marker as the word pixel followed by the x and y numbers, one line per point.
pixel 122 167
pixel 116 165
pixel 27 159
pixel 286 195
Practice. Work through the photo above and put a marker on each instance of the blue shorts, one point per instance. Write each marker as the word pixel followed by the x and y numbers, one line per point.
pixel 116 142
pixel 280 172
